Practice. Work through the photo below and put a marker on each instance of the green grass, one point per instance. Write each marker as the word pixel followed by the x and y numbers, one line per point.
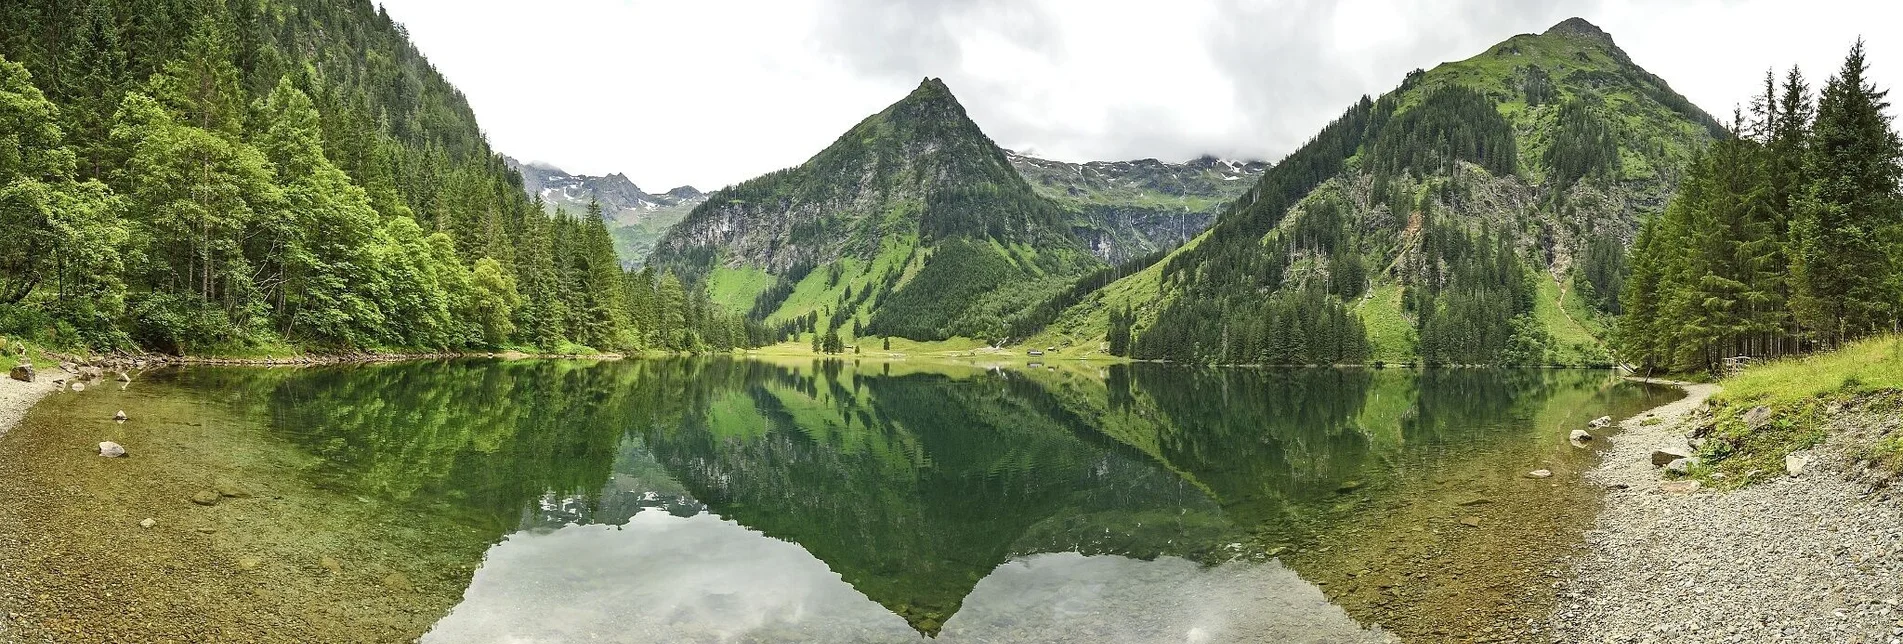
pixel 1390 334
pixel 1573 342
pixel 819 291
pixel 735 288
pixel 1799 392
pixel 1867 366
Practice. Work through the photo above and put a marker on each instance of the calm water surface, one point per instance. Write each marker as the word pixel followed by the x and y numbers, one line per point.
pixel 746 501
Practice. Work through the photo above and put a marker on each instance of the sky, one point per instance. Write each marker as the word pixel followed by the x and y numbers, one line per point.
pixel 710 93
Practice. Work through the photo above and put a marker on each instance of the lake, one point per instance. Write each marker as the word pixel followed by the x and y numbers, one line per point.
pixel 730 500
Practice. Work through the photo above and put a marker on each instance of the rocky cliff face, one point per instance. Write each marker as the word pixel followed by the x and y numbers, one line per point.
pixel 621 200
pixel 636 217
pixel 1123 209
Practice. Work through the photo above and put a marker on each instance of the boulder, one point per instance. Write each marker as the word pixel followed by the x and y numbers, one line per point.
pixel 1471 522
pixel 1679 487
pixel 110 449
pixel 121 416
pixel 1540 474
pixel 1599 422
pixel 1665 455
pixel 230 489
pixel 1579 436
pixel 22 373
pixel 148 523
pixel 206 497
pixel 1757 417
pixel 1795 462
pixel 1681 466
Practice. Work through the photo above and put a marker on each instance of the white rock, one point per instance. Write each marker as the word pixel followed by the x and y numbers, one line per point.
pixel 1681 466
pixel 1599 422
pixel 1580 436
pixel 110 449
pixel 1794 463
pixel 1540 474
pixel 121 416
pixel 148 523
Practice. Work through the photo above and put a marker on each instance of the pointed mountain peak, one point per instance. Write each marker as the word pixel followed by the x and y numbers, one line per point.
pixel 931 98
pixel 1579 28
pixel 931 88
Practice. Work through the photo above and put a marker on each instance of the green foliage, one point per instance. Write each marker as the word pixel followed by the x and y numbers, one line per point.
pixel 1474 300
pixel 1450 124
pixel 284 172
pixel 1583 146
pixel 1602 273
pixel 1760 256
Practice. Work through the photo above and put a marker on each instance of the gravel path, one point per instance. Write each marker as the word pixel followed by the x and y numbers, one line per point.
pixel 16 397
pixel 1808 559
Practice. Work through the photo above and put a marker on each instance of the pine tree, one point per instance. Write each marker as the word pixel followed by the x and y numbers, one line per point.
pixel 1847 284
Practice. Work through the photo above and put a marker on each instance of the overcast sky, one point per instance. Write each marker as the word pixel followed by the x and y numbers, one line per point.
pixel 711 93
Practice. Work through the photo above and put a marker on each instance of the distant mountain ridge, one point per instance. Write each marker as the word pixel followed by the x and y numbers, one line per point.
pixel 1124 209
pixel 636 217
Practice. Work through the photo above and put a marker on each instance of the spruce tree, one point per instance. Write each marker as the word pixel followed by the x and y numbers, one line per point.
pixel 1845 274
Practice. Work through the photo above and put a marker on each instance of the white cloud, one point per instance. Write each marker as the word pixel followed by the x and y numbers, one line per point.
pixel 710 93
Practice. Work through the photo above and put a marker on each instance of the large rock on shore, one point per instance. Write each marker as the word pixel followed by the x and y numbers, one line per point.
pixel 1757 417
pixel 23 373
pixel 1664 456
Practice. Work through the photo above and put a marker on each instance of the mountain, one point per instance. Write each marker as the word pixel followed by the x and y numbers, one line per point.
pixel 1125 209
pixel 636 218
pixel 273 177
pixel 913 223
pixel 1445 222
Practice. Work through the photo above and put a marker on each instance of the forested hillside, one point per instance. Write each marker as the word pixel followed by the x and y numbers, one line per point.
pixel 1784 239
pixel 912 224
pixel 1447 221
pixel 240 175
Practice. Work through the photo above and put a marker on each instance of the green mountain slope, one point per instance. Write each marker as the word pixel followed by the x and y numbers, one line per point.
pixel 1422 225
pixel 913 223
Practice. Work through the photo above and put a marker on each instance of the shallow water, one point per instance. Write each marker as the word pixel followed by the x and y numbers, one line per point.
pixel 743 501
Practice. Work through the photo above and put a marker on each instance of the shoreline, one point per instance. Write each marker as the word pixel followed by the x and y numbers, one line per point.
pixel 1812 557
pixel 17 397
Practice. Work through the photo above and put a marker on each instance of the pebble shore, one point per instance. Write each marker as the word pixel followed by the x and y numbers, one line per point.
pixel 1812 558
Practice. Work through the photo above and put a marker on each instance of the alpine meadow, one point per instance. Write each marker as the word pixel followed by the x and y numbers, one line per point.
pixel 1204 321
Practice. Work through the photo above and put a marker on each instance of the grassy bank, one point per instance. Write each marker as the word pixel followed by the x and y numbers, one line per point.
pixel 1800 398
